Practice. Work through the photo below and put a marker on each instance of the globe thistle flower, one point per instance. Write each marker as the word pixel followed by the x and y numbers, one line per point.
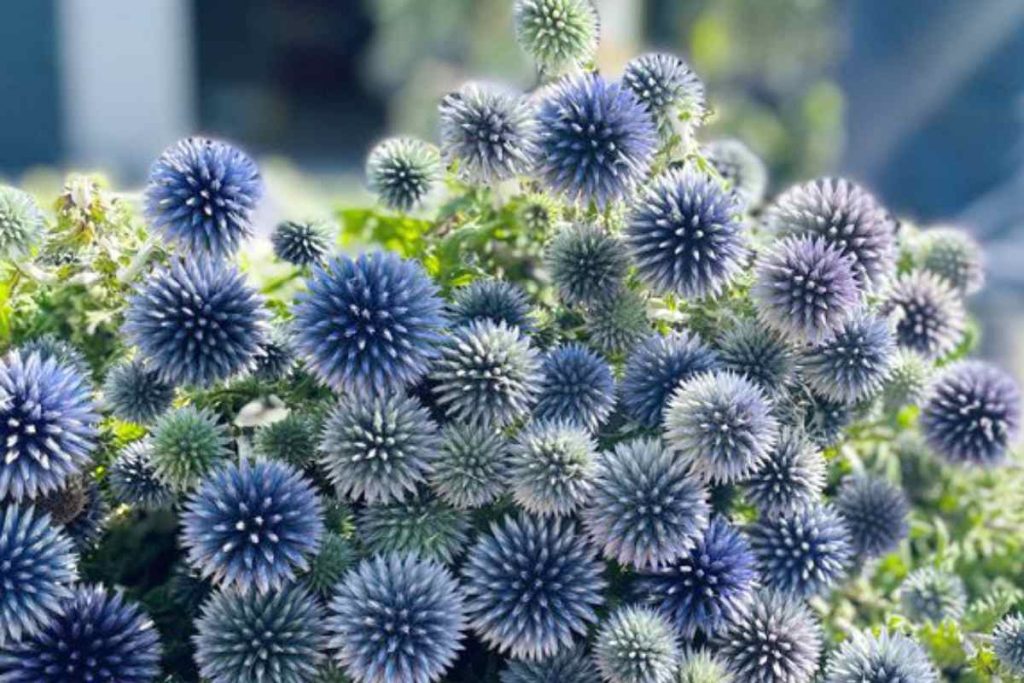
pixel 201 195
pixel 667 88
pixel 196 322
pixel 538 213
pixel 530 585
pixel 759 353
pixel 63 505
pixel 487 374
pixel 378 448
pixel 777 641
pixel 21 223
pixel 702 666
pixel 954 256
pixel 908 382
pixel 47 425
pixel 645 510
pixel 421 526
pixel 472 468
pixel 134 393
pixel 276 637
pixel 805 289
pixel 370 324
pixel 495 300
pixel 889 657
pixel 743 171
pixel 292 440
pixel 133 479
pixel 636 645
pixel 402 171
pixel 96 636
pixel 301 243
pixel 721 425
pixel 972 414
pixel 397 618
pixel 567 666
pixel 251 526
pixel 49 346
pixel 617 324
pixel 792 476
pixel 576 385
pixel 928 315
pixel 875 512
pixel 845 216
pixel 557 34
pixel 336 556
pixel 186 444
pixel 587 264
pixel 854 364
pixel 551 467
pixel 824 420
pixel 596 139
pixel 708 587
pixel 1008 642
pixel 802 553
pixel 37 568
pixel 275 358
pixel 932 595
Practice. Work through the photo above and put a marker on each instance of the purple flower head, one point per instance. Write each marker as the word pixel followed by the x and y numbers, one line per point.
pixel 854 364
pixel 928 314
pixel 576 385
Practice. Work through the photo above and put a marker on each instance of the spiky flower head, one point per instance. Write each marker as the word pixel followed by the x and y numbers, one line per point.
pixel 494 300
pixel 530 585
pixel 423 526
pixel 368 324
pixel 557 34
pixel 275 357
pixel 292 440
pixel 667 88
pixel 972 414
pixel 883 658
pixel 135 393
pixel 538 213
pixel 702 666
pixel 721 425
pixel 928 314
pixel 301 243
pixel 751 349
pixel 908 382
pixel 397 619
pixel 96 636
pixel 646 509
pixel 636 645
pixel 378 448
pixel 824 420
pixel 402 171
pixel 1008 642
pixel 275 637
pixel 66 503
pixel 615 325
pixel 855 363
pixel 587 264
pixel 743 171
pixel 805 289
pixel 252 526
pixel 875 512
pixel 572 665
pixel 133 479
pixel 201 196
pixel 576 385
pixel 551 467
pixel 37 568
pixel 932 595
pixel 596 141
pixel 472 468
pixel 47 424
pixel 21 223
pixel 187 443
pixel 792 475
pixel 51 346
pixel 336 556
pixel 955 256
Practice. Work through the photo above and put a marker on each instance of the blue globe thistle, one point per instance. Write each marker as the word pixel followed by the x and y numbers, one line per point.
pixel 928 314
pixel 587 264
pixel 378 448
pixel 721 425
pixel 855 363
pixel 472 468
pixel 883 658
pixel 932 595
pixel 685 235
pixel 51 346
pixel 576 385
pixel 133 479
pixel 708 587
pixel 531 584
pixel 792 475
pixel 876 514
pixel 135 393
pixel 551 467
pixel 275 357
pixel 488 133
pixel 702 666
pixel 292 440
pixel 646 509
pixel 615 325
pixel 487 374
pixel 187 443
pixel 301 243
pixel 1008 642
pixel 397 618
pixel 47 425
pixel 568 666
pixel 37 567
pixel 368 325
pixel 557 34
pixel 742 170
pixel 655 369
pixel 252 526
pixel 276 637
pixel 667 88
pixel 402 172
pixel 96 636
pixel 201 196
pixel 824 420
pixel 908 382
pixel 21 223
pixel 636 645
pixel 495 300
pixel 759 353
pixel 805 289
pixel 845 216
pixel 955 256
pixel 596 139
pixel 777 641
pixel 196 322
pixel 804 552
pixel 423 526
pixel 336 556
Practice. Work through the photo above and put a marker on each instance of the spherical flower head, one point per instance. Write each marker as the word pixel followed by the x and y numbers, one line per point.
pixel 422 526
pixel 845 216
pixel 530 585
pixel 876 514
pixel 133 479
pixel 379 448
pixel 667 88
pixel 576 385
pixel 301 243
pixel 397 619
pixel 402 172
pixel 702 666
pixel 646 509
pixel 370 324
pixel 636 645
pixel 793 475
pixel 201 196
pixel 824 420
pixel 538 213
pixel 568 666
pixel 557 34
pixel 721 425
pixel 292 440
pixel 587 264
pixel 551 467
pixel 928 314
pixel 276 356
pixel 135 393
pixel 472 468
pixel 972 414
pixel 1008 642
pixel 336 556
pixel 883 658
pixel 51 346
pixel 855 363
pixel 186 444
pixel 65 504
pixel 495 300
pixel 596 141
pixel 487 374
pixel 777 641
pixel 932 595
pixel 21 223
pixel 908 382
pixel 96 636
pixel 743 171
pixel 802 553
pixel 48 425
pixel 37 568
pixel 751 349
pixel 615 325
pixel 252 526
pixel 197 322
pixel 955 256
pixel 805 289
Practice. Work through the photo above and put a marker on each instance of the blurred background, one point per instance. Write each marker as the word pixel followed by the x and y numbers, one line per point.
pixel 921 100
